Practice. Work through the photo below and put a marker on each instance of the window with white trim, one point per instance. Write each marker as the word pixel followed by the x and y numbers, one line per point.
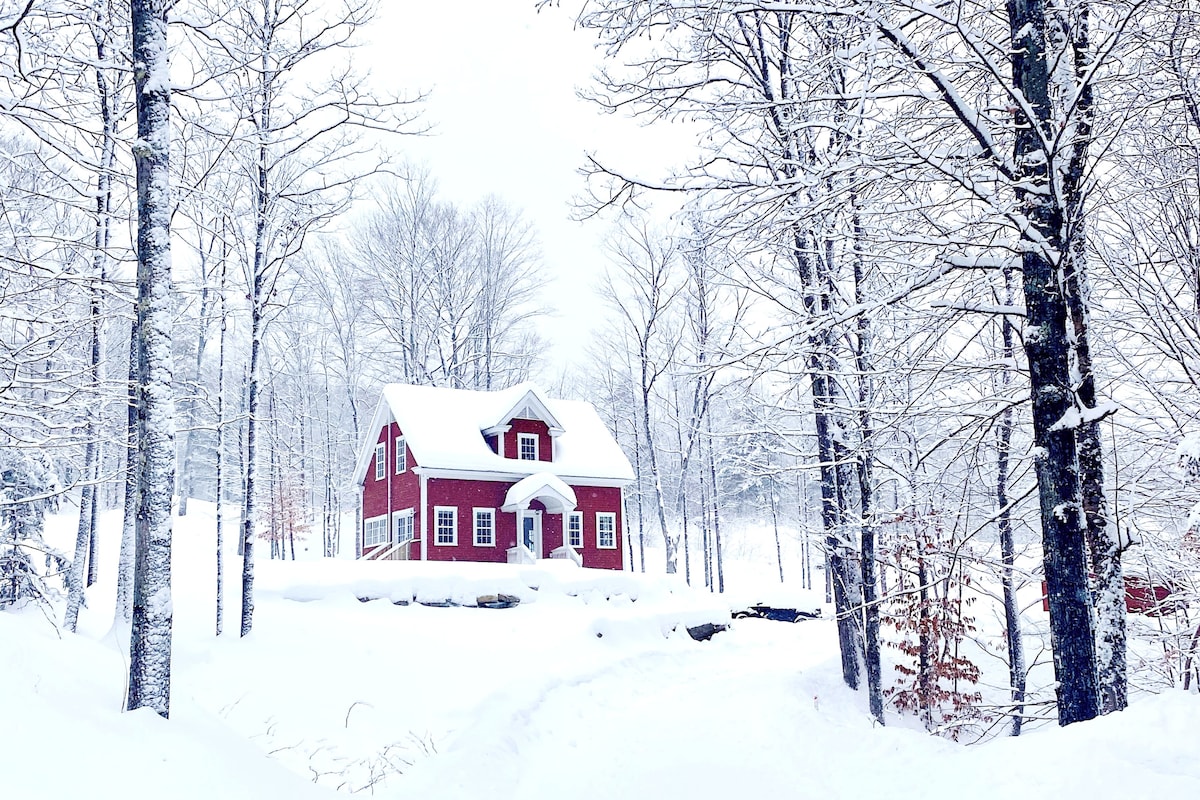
pixel 375 531
pixel 404 526
pixel 445 525
pixel 575 529
pixel 380 462
pixel 527 446
pixel 401 455
pixel 606 530
pixel 485 527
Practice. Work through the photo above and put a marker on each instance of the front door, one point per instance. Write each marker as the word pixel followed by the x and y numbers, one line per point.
pixel 531 531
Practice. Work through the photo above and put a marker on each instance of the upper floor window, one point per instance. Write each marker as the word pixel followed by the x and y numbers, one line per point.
pixel 527 446
pixel 575 529
pixel 380 462
pixel 606 530
pixel 401 455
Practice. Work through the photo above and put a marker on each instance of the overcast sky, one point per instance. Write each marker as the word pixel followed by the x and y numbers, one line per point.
pixel 503 83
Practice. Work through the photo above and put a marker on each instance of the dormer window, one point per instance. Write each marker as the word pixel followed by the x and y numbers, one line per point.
pixel 527 446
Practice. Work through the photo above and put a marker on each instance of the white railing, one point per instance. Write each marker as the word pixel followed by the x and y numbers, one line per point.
pixel 520 555
pixel 568 552
pixel 389 553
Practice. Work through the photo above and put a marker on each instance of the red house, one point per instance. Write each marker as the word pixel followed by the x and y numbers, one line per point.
pixel 511 475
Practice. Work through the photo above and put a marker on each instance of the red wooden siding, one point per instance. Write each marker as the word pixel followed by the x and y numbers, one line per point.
pixel 467 495
pixel 1141 597
pixel 535 426
pixel 589 501
pixel 406 489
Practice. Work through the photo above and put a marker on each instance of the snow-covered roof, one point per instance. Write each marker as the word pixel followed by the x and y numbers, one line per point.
pixel 444 429
pixel 550 489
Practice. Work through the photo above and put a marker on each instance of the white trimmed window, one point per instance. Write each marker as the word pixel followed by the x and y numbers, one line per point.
pixel 380 462
pixel 404 526
pixel 606 530
pixel 527 446
pixel 445 525
pixel 575 529
pixel 375 531
pixel 485 527
pixel 401 455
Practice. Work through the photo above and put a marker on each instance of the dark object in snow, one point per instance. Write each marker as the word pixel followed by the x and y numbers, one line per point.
pixel 777 614
pixel 447 603
pixel 702 633
pixel 497 600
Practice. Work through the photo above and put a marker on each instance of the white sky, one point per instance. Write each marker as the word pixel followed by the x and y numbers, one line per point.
pixel 508 122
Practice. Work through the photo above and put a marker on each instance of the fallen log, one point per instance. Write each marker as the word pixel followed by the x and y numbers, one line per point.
pixel 702 633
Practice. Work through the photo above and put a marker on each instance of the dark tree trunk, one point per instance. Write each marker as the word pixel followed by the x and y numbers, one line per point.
pixel 1049 351
pixel 1008 555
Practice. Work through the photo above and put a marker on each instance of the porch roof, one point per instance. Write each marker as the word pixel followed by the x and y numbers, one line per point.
pixel 557 496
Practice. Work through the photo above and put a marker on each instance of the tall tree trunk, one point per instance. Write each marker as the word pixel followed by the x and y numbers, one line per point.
pixel 1049 352
pixel 187 478
pixel 866 489
pixel 1008 555
pixel 841 585
pixel 656 479
pixel 641 507
pixel 220 466
pixel 1102 543
pixel 124 610
pixel 716 508
pixel 150 644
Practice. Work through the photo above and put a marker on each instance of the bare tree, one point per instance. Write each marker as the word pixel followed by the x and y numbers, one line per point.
pixel 150 644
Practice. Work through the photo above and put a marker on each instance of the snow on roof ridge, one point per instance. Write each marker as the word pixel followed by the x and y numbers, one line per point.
pixel 444 427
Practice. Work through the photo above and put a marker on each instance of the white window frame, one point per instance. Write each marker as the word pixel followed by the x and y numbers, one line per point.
pixel 401 455
pixel 611 517
pixel 572 541
pixel 522 438
pixel 380 461
pixel 375 531
pixel 437 525
pixel 402 516
pixel 491 517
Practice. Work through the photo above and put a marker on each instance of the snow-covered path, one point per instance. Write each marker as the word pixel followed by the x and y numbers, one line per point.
pixel 739 711
pixel 581 691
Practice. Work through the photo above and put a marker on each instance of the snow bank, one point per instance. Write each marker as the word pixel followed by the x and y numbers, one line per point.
pixel 65 735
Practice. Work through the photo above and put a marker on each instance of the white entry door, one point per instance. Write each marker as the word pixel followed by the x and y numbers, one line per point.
pixel 531 531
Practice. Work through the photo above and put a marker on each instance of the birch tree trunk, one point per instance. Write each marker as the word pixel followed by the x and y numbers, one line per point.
pixel 150 644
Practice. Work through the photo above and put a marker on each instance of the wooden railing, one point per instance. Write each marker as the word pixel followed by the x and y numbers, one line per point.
pixel 520 555
pixel 567 552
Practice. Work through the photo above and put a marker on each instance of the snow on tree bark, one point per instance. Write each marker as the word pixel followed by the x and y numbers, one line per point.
pixel 124 604
pixel 1048 348
pixel 1103 546
pixel 150 644
pixel 1008 556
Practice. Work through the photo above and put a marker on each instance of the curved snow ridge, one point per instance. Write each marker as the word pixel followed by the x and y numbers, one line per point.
pixel 461 583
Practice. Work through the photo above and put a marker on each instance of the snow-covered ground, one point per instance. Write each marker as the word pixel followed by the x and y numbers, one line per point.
pixel 590 687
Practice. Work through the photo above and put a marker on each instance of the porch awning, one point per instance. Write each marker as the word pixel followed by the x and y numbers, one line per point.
pixel 544 487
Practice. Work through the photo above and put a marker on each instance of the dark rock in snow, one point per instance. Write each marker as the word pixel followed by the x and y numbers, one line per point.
pixel 702 633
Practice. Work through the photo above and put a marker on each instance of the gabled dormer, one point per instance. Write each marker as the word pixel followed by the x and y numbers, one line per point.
pixel 526 431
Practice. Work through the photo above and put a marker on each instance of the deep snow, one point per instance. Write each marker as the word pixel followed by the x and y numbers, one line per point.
pixel 580 691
